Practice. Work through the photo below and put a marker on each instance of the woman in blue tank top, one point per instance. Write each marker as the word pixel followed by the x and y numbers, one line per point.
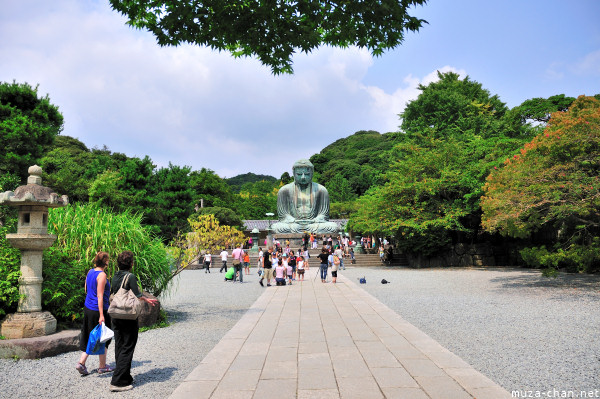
pixel 95 310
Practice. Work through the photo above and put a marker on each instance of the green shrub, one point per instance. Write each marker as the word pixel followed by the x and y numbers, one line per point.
pixel 573 259
pixel 10 271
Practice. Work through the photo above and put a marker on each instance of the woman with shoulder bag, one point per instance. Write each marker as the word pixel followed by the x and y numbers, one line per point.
pixel 97 291
pixel 126 331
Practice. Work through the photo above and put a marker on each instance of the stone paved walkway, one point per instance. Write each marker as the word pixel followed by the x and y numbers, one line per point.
pixel 315 340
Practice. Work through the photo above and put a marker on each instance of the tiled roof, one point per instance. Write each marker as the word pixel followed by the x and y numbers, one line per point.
pixel 262 225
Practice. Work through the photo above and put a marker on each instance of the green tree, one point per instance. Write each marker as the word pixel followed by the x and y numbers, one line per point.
pixel 28 126
pixel 453 106
pixel 286 178
pixel 225 216
pixel 456 133
pixel 339 189
pixel 274 30
pixel 207 185
pixel 539 109
pixel 171 200
pixel 107 190
pixel 553 185
pixel 67 168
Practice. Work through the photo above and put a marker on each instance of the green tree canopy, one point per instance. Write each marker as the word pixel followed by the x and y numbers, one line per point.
pixel 454 106
pixel 456 134
pixel 28 126
pixel 539 109
pixel 273 31
pixel 213 189
pixel 171 200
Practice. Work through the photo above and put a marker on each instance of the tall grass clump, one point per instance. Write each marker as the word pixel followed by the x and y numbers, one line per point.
pixel 82 231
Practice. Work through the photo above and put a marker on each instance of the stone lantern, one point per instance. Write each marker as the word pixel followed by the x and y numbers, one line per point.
pixel 32 201
pixel 255 237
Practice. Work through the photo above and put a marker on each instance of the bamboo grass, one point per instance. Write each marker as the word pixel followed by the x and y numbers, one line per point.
pixel 83 230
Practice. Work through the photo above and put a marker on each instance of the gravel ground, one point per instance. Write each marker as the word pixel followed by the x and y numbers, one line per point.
pixel 524 331
pixel 202 310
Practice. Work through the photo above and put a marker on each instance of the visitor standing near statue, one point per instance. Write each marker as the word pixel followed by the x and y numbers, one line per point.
pixel 267 267
pixel 95 311
pixel 303 205
pixel 324 259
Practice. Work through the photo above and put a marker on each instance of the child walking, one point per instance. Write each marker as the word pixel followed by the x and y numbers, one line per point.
pixel 300 268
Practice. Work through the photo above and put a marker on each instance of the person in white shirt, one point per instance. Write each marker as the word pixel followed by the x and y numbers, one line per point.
pixel 207 262
pixel 224 256
pixel 300 268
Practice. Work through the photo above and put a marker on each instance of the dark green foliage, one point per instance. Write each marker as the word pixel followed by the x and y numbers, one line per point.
pixel 286 178
pixel 360 159
pixel 211 188
pixel 68 168
pixel 28 125
pixel 237 182
pixel 540 109
pixel 274 30
pixel 171 200
pixel 10 271
pixel 63 292
pixel 225 216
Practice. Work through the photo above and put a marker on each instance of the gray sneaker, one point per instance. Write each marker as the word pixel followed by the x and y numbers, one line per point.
pixel 114 388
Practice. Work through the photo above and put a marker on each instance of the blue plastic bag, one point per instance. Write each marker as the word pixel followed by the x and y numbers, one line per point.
pixel 94 346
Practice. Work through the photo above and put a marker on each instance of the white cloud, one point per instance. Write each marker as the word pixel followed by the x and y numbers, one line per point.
pixel 190 105
pixel 588 65
pixel 387 106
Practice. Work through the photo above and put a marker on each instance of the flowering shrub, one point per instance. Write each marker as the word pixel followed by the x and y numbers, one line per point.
pixel 553 184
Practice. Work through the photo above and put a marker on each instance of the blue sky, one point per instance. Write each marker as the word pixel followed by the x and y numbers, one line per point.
pixel 191 106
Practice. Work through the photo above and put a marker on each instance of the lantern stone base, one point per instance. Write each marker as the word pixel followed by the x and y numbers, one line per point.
pixel 28 325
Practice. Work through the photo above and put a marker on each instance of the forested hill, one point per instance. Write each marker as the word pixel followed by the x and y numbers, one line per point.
pixel 238 181
pixel 352 164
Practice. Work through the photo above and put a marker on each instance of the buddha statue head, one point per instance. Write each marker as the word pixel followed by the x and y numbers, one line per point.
pixel 303 172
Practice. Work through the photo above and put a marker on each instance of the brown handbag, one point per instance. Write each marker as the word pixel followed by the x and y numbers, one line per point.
pixel 124 304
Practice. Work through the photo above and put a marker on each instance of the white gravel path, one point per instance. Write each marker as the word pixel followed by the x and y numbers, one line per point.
pixel 522 330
